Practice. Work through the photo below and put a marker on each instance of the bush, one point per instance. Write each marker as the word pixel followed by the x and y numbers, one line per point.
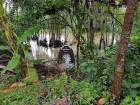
pixel 131 80
pixel 131 101
pixel 78 92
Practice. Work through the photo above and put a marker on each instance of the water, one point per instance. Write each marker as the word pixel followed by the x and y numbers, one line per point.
pixel 49 54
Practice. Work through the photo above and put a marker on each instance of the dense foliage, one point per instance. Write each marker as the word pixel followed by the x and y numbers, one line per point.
pixel 94 69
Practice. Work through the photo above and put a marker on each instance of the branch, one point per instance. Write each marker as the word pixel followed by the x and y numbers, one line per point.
pixel 66 22
pixel 113 15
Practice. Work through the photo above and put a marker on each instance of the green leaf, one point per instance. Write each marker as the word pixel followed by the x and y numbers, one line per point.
pixel 4 48
pixel 12 64
pixel 29 32
pixel 135 85
pixel 126 84
pixel 133 93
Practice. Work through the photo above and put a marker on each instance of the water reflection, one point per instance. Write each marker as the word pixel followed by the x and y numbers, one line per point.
pixel 40 52
pixel 51 53
pixel 34 48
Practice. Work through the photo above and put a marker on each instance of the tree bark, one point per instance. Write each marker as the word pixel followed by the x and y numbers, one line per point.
pixel 113 32
pixel 127 27
pixel 77 53
pixel 76 2
pixel 89 6
pixel 91 32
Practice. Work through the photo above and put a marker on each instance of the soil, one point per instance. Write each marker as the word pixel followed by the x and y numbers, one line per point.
pixel 42 70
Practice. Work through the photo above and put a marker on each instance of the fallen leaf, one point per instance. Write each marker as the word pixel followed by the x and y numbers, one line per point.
pixel 16 85
pixel 37 82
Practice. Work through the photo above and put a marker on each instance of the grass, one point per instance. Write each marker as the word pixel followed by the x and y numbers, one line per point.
pixel 77 93
pixel 27 95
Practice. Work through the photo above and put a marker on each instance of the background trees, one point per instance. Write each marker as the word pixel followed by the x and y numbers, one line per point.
pixel 86 20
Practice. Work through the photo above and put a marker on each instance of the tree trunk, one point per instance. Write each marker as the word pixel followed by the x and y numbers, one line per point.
pixel 91 32
pixel 76 2
pixel 102 43
pixel 127 27
pixel 89 6
pixel 113 32
pixel 77 53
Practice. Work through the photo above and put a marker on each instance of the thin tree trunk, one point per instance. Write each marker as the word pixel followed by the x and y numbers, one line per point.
pixel 65 36
pixel 127 27
pixel 77 2
pixel 77 53
pixel 100 42
pixel 106 33
pixel 90 39
pixel 113 32
pixel 91 32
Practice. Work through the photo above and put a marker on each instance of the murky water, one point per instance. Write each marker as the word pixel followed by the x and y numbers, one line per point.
pixel 51 54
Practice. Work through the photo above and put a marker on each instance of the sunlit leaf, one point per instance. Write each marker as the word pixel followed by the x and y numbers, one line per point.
pixel 12 64
pixel 4 48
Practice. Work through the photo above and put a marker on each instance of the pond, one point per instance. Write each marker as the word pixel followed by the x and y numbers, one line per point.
pixel 50 54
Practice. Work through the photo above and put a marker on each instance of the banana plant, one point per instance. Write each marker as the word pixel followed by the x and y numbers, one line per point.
pixel 17 48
